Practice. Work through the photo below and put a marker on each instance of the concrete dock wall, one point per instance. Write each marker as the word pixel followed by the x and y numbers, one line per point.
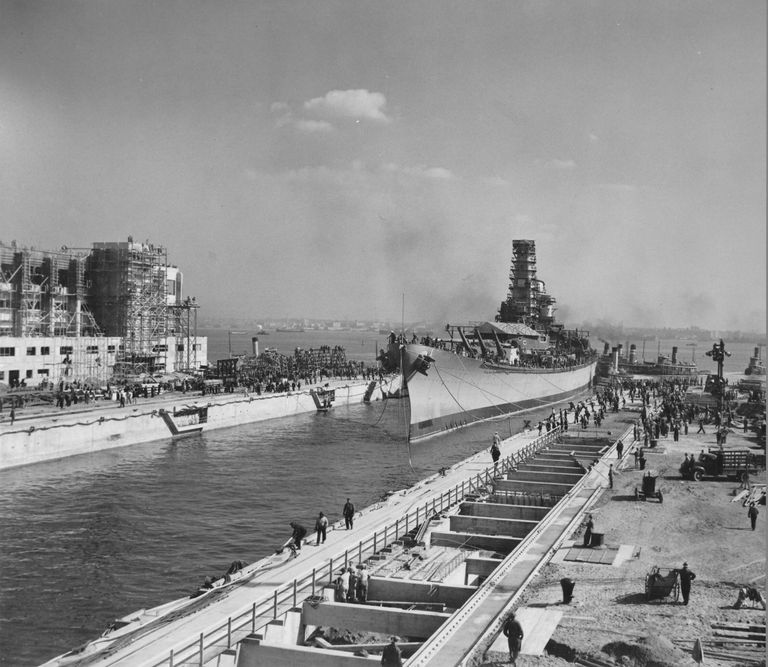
pixel 61 434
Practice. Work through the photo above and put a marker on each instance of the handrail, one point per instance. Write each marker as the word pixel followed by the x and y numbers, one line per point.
pixel 259 613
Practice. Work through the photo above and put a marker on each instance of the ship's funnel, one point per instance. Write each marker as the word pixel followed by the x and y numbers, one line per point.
pixel 615 352
pixel 255 345
pixel 674 355
pixel 757 353
pixel 606 348
pixel 632 353
pixel 620 349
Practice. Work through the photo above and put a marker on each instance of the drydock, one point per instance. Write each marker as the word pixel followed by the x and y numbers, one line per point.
pixel 447 560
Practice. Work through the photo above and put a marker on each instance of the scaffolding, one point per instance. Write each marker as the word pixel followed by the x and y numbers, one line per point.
pixel 527 301
pixel 184 327
pixel 128 297
pixel 42 293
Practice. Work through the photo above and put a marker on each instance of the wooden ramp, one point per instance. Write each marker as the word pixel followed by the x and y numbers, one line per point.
pixel 538 625
pixel 604 556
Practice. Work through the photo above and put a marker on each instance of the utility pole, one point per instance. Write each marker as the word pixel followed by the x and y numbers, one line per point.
pixel 718 354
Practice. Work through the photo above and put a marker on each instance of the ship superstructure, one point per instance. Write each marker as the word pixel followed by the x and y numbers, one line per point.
pixel 483 370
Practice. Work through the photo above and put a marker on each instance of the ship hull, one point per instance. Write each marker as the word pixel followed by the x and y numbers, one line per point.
pixel 448 391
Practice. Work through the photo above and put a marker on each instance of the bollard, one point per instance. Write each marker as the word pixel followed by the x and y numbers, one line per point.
pixel 567 586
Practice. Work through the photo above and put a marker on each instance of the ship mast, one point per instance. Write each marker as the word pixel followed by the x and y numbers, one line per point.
pixel 527 300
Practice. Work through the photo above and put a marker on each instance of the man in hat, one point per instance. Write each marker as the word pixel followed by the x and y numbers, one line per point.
pixel 391 656
pixel 513 631
pixel 686 577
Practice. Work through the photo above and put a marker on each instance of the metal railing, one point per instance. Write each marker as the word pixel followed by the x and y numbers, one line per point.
pixel 260 613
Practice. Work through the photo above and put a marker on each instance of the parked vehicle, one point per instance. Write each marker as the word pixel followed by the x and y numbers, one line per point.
pixel 735 464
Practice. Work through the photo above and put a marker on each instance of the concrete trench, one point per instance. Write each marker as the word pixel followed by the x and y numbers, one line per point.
pixel 415 588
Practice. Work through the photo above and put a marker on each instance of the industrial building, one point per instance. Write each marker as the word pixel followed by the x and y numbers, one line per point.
pixel 116 309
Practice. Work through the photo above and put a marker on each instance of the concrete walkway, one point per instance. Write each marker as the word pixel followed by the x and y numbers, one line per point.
pixel 154 646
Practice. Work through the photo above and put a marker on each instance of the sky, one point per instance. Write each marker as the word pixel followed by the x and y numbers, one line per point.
pixel 351 159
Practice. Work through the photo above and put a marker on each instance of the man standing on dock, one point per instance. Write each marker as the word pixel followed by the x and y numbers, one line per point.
pixel 391 656
pixel 349 514
pixel 513 631
pixel 321 526
pixel 686 577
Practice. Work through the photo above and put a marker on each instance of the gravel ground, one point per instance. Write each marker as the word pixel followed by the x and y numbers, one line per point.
pixel 609 618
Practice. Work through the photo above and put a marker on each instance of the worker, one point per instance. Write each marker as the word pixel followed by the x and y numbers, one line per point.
pixel 391 656
pixel 299 533
pixel 588 530
pixel 349 514
pixel 686 577
pixel 513 631
pixel 752 514
pixel 751 594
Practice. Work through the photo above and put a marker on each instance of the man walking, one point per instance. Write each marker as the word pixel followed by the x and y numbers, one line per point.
pixel 752 514
pixel 321 526
pixel 686 577
pixel 513 631
pixel 349 514
pixel 495 451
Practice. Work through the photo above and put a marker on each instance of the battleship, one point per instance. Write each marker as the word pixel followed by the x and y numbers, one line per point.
pixel 521 361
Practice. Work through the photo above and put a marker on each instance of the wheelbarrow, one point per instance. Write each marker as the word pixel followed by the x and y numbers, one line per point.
pixel 649 489
pixel 662 583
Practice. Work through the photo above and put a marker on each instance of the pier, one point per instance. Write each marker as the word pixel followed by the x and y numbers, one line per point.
pixel 446 560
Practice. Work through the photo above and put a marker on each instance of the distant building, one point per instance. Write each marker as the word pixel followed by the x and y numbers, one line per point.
pixel 72 314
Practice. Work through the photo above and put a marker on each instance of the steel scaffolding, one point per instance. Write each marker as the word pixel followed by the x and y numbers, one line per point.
pixel 128 297
pixel 42 293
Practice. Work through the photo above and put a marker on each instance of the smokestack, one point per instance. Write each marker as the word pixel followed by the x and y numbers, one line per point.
pixel 620 348
pixel 757 353
pixel 255 345
pixel 606 348
pixel 615 352
pixel 632 353
pixel 674 355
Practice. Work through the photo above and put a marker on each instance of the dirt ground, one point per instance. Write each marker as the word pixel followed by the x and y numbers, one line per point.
pixel 609 618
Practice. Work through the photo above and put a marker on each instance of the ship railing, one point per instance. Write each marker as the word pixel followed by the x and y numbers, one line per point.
pixel 254 618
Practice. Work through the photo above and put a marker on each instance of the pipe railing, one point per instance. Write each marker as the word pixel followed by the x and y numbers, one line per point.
pixel 260 613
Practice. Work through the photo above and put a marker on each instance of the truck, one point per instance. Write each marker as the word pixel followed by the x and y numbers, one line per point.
pixel 735 464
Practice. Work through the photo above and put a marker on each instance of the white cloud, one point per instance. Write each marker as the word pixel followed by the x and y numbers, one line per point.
pixel 358 104
pixel 311 126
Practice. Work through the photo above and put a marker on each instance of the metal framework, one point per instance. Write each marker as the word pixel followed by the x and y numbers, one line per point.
pixel 129 299
pixel 185 328
pixel 527 300
pixel 42 293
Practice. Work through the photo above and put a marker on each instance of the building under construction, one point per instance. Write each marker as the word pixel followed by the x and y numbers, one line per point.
pixel 58 309
pixel 527 300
